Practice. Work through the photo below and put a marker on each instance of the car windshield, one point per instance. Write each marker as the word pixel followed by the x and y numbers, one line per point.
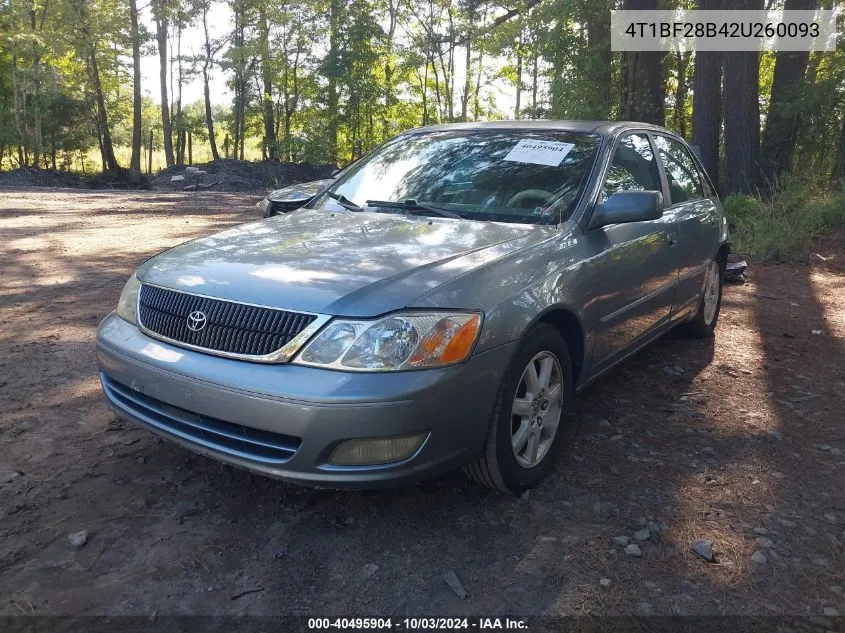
pixel 533 176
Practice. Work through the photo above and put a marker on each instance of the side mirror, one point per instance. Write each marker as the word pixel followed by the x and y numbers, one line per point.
pixel 628 206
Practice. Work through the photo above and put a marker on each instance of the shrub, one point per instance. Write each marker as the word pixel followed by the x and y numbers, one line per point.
pixel 781 228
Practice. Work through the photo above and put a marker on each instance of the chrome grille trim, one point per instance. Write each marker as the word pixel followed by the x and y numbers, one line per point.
pixel 239 309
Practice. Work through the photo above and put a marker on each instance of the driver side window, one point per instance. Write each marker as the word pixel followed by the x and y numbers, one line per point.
pixel 633 167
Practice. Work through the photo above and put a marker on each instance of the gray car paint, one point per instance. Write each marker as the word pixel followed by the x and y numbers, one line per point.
pixel 617 286
pixel 343 263
pixel 301 191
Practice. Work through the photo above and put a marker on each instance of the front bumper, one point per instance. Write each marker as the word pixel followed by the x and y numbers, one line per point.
pixel 284 420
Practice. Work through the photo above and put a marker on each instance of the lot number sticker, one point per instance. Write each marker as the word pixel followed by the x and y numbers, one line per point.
pixel 549 153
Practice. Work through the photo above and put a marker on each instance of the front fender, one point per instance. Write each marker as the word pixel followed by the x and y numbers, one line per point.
pixel 516 291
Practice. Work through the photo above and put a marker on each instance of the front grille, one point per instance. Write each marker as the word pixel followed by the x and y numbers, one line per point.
pixel 230 328
pixel 233 439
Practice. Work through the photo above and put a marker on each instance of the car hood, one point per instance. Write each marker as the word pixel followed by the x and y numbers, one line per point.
pixel 300 191
pixel 342 263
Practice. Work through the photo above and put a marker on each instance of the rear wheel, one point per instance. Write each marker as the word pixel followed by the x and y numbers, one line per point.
pixel 526 431
pixel 704 323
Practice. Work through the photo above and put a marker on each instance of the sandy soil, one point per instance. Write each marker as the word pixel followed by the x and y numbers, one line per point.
pixel 733 440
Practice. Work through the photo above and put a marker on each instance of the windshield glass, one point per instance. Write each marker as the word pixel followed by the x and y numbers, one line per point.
pixel 505 175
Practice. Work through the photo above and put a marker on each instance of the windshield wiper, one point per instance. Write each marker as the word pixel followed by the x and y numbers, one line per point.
pixel 343 201
pixel 412 206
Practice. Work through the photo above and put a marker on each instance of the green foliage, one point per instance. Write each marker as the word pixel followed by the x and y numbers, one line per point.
pixel 782 227
pixel 341 76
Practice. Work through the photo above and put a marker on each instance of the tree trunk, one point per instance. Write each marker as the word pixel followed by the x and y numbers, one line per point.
pixel 180 146
pixel 267 80
pixel 447 67
pixel 237 54
pixel 518 101
pixel 424 88
pixel 135 160
pixel 781 131
pixel 37 25
pixel 100 145
pixel 742 117
pixel 468 62
pixel 600 62
pixel 707 104
pixel 642 90
pixel 209 122
pixel 159 10
pixel 107 149
pixel 437 100
pixel 389 97
pixel 240 81
pixel 707 110
pixel 680 110
pixel 19 104
pixel 38 145
pixel 334 19
pixel 476 104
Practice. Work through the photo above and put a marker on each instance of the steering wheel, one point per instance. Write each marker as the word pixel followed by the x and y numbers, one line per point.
pixel 530 194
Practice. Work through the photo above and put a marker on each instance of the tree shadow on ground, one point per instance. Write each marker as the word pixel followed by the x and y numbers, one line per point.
pixel 672 441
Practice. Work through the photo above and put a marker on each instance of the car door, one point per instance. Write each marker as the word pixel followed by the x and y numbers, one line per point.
pixel 634 269
pixel 693 206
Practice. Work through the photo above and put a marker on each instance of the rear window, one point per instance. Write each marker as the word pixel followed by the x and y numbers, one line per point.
pixel 681 173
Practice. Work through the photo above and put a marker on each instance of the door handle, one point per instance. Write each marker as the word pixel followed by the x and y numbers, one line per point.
pixel 672 239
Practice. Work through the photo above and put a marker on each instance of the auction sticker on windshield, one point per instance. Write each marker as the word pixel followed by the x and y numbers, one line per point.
pixel 549 153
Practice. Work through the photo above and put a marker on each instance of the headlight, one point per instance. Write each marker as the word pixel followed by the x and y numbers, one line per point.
pixel 127 307
pixel 412 340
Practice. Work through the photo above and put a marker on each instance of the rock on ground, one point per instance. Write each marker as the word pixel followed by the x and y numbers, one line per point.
pixel 78 539
pixel 634 550
pixel 454 584
pixel 704 549
pixel 642 535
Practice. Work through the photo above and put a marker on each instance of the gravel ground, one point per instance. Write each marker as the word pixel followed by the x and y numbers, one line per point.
pixel 738 443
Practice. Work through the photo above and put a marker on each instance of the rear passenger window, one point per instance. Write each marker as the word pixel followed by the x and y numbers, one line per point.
pixel 681 172
pixel 633 167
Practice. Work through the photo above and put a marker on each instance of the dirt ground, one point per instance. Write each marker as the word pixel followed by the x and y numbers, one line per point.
pixel 732 441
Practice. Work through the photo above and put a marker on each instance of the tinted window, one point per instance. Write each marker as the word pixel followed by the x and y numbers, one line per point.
pixel 681 172
pixel 633 167
pixel 504 175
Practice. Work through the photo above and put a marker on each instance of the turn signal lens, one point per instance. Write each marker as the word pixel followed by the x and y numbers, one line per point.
pixel 127 305
pixel 449 341
pixel 402 340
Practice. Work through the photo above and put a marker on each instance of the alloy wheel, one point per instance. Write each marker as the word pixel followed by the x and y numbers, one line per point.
pixel 536 410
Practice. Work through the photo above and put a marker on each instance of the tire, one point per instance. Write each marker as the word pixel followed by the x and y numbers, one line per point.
pixel 502 466
pixel 704 323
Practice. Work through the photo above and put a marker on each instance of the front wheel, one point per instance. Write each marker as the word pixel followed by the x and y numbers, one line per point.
pixel 704 323
pixel 526 431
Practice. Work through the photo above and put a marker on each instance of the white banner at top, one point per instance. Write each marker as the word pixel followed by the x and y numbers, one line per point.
pixel 684 30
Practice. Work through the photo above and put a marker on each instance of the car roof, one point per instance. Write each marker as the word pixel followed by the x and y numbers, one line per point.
pixel 589 127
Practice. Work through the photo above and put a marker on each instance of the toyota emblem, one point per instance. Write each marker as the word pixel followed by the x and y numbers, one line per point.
pixel 196 321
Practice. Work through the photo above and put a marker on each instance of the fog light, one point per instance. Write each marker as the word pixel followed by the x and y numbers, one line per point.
pixel 376 450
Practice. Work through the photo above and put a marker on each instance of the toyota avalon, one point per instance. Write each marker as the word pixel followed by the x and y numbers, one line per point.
pixel 436 306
